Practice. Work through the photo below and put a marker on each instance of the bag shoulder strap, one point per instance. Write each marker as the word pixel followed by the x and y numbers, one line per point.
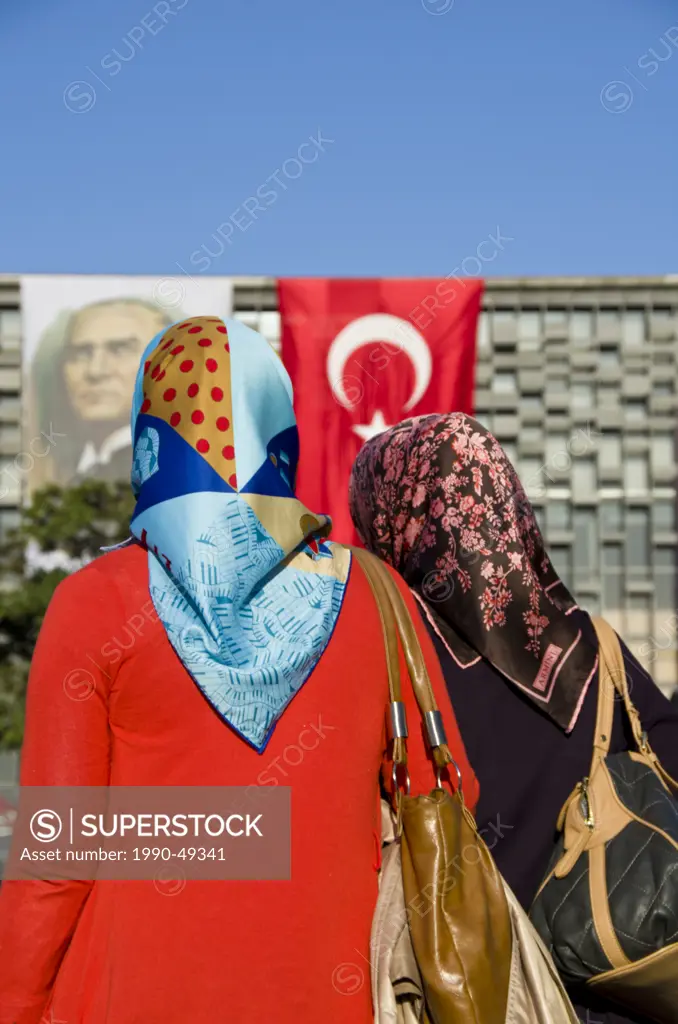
pixel 612 680
pixel 370 566
pixel 397 622
pixel 610 662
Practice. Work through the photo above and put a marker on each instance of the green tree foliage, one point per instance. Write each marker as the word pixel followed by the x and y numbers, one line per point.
pixel 76 521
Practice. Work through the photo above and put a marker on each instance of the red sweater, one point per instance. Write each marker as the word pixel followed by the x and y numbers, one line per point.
pixel 250 952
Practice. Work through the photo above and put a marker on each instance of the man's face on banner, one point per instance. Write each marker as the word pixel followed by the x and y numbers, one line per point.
pixel 102 356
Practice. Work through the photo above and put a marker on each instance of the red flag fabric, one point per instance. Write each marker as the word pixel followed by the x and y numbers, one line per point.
pixel 364 355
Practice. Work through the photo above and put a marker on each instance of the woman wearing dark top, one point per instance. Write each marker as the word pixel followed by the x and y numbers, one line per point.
pixel 438 499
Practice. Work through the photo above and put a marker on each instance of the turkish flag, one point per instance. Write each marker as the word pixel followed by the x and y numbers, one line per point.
pixel 364 355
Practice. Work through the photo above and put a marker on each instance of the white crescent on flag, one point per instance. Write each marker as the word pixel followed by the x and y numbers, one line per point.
pixel 390 330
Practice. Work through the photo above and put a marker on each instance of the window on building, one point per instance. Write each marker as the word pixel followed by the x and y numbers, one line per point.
pixel 10 330
pixel 503 326
pixel 609 358
pixel 609 324
pixel 528 330
pixel 633 328
pixel 529 471
pixel 581 328
pixel 638 616
pixel 635 410
pixel 609 448
pixel 484 339
pixel 611 516
pixel 663 323
pixel 504 382
pixel 555 321
pixel 558 515
pixel 636 475
pixel 664 516
pixel 557 385
pixel 638 542
pixel 662 388
pixel 532 403
pixel 582 397
pixel 561 558
pixel 608 396
pixel 612 576
pixel 585 541
pixel 663 448
pixel 557 449
pixel 584 480
pixel 10 408
pixel 664 562
pixel 531 434
pixel 505 425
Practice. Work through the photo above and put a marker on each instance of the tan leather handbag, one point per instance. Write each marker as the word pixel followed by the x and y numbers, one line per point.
pixel 449 941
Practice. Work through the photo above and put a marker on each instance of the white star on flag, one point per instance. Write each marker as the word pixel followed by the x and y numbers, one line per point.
pixel 368 430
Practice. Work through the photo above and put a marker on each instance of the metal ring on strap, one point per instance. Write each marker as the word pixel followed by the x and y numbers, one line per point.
pixel 396 784
pixel 439 772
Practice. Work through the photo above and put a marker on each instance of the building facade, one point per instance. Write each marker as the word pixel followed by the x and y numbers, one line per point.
pixel 578 379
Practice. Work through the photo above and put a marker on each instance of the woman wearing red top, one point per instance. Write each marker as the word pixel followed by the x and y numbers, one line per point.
pixel 229 643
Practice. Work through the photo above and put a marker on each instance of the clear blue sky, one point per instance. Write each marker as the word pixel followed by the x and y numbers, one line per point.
pixel 445 127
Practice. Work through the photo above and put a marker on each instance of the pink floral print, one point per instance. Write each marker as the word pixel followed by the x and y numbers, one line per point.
pixel 437 498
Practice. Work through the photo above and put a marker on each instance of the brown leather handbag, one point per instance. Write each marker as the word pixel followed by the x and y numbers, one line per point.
pixel 449 942
pixel 608 907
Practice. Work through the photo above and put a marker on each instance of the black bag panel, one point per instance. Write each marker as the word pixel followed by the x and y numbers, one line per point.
pixel 642 882
pixel 563 918
pixel 642 886
pixel 640 790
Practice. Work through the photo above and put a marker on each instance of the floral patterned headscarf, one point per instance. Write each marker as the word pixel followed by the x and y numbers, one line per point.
pixel 438 499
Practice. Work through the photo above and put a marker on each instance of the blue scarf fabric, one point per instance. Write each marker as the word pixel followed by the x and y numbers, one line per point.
pixel 242 576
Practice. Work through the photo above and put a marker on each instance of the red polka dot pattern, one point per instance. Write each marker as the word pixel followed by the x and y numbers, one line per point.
pixel 203 415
